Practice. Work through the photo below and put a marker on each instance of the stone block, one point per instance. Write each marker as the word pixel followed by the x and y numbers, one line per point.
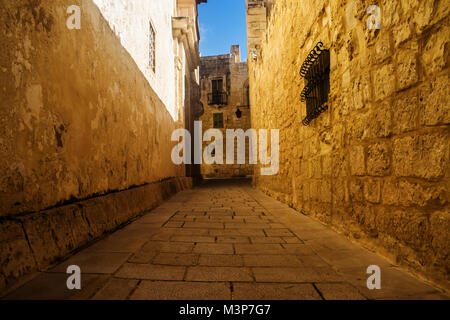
pixel 175 259
pixel 163 290
pixel 116 289
pixel 372 190
pixel 410 226
pixel 16 257
pixel 215 274
pixel 356 190
pixel 378 159
pixel 221 260
pixel 434 53
pixel 192 238
pixel 52 286
pixel 423 156
pixel 272 261
pixel 259 249
pixel 94 262
pixel 295 275
pixel 213 248
pixel 274 291
pixel 379 121
pixel 435 108
pixel 405 111
pixel 410 193
pixel 151 272
pixel 357 161
pixel 407 69
pixel 439 226
pixel 384 81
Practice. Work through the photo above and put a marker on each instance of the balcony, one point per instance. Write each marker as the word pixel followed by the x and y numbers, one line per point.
pixel 220 98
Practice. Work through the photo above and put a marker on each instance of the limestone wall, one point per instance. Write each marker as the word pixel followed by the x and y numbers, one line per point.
pixel 130 21
pixel 376 164
pixel 77 116
pixel 78 119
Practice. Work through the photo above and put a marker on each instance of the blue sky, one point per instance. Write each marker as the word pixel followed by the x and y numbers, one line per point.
pixel 222 24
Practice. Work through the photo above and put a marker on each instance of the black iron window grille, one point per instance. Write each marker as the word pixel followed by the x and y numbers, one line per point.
pixel 217 97
pixel 152 48
pixel 238 113
pixel 218 120
pixel 316 72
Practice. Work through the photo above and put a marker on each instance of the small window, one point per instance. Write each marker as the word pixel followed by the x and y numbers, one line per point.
pixel 218 120
pixel 217 85
pixel 247 95
pixel 316 71
pixel 217 95
pixel 152 48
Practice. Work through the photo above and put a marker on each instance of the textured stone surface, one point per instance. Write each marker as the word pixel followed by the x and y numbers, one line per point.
pixel 339 291
pixel 116 289
pixel 81 118
pixel 181 291
pixel 375 164
pixel 52 286
pixel 104 128
pixel 270 291
pixel 325 267
pixel 41 239
pixel 94 262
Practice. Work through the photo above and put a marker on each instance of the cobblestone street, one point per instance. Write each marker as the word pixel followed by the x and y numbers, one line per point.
pixel 224 240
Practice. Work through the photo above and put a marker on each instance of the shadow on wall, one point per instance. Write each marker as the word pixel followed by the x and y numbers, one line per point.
pixel 77 119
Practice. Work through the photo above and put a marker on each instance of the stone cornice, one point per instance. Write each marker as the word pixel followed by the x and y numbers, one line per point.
pixel 184 29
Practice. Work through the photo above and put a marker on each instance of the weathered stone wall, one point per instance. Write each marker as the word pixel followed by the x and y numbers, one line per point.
pixel 376 164
pixel 130 21
pixel 235 83
pixel 77 115
pixel 77 119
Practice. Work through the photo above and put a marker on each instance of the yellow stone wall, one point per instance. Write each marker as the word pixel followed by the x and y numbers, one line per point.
pixel 77 116
pixel 79 121
pixel 375 166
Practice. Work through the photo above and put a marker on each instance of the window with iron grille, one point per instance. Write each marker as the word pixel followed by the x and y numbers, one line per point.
pixel 247 95
pixel 218 120
pixel 217 95
pixel 152 58
pixel 217 85
pixel 316 72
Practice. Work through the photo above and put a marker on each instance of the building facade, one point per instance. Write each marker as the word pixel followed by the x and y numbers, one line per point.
pixel 372 158
pixel 226 105
pixel 162 37
pixel 86 112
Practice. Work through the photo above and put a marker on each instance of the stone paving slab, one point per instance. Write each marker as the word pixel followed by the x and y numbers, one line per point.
pixel 52 286
pixel 94 262
pixel 157 290
pixel 151 272
pixel 274 291
pixel 225 240
pixel 339 291
pixel 201 273
pixel 221 260
pixel 116 289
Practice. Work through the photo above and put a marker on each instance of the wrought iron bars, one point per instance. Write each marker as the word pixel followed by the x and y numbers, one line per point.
pixel 217 97
pixel 316 72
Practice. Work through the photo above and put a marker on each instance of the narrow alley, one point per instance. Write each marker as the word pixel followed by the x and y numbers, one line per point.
pixel 225 240
pixel 224 150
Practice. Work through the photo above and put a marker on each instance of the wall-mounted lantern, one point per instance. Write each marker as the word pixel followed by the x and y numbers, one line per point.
pixel 238 113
